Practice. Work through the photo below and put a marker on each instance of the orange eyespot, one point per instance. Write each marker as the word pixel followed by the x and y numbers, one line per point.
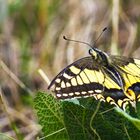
pixel 131 94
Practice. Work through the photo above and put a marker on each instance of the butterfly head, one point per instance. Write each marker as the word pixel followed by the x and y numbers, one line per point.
pixel 93 53
pixel 100 56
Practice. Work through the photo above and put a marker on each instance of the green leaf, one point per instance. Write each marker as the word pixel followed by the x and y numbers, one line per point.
pixel 135 121
pixel 85 119
pixel 50 117
pixel 88 121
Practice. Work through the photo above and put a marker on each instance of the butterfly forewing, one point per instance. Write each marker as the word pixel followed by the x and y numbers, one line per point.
pixel 78 79
pixel 85 78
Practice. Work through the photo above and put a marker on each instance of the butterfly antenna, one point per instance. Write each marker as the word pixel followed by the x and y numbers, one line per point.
pixel 99 36
pixel 64 37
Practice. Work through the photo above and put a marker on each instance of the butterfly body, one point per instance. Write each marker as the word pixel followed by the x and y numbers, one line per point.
pixel 113 79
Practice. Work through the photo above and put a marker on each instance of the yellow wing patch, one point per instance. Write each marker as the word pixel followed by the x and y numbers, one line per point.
pixel 68 84
pixel 109 83
pixel 67 76
pixel 100 76
pixel 91 75
pixel 63 84
pixel 131 69
pixel 73 82
pixel 84 78
pixel 94 76
pixel 79 80
pixel 130 79
pixel 75 70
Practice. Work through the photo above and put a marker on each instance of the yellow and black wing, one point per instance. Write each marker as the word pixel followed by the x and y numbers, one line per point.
pixel 85 78
pixel 129 69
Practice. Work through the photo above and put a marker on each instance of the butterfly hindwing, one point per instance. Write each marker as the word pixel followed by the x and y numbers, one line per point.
pixel 130 71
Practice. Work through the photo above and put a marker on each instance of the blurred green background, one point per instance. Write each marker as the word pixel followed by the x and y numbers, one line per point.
pixel 31 38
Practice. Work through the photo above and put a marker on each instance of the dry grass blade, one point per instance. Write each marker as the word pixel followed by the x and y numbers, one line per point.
pixel 13 116
pixel 115 23
pixel 5 109
pixel 14 77
pixel 44 76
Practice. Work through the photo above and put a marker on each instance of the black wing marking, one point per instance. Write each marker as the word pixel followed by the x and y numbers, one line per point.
pixel 81 63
